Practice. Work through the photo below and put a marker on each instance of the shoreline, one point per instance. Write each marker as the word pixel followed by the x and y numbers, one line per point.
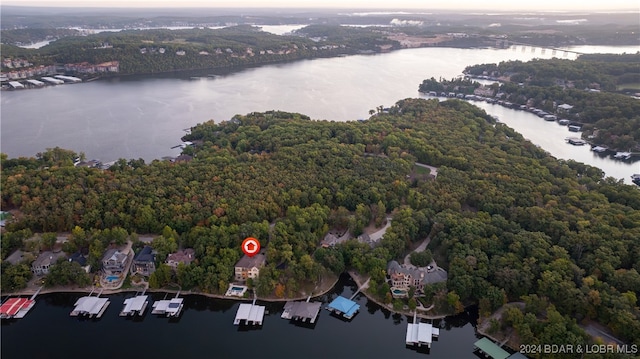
pixel 356 278
pixel 54 290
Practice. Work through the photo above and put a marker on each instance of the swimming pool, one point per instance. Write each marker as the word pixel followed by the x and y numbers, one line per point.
pixel 237 289
pixel 111 278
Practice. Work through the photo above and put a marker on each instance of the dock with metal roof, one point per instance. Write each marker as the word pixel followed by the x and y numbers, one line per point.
pixel 90 306
pixel 249 314
pixel 169 307
pixel 135 305
pixel 491 349
pixel 420 334
pixel 344 307
pixel 302 311
pixel 16 307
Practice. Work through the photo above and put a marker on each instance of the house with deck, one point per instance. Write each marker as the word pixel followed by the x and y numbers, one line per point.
pixel 114 261
pixel 182 256
pixel 45 260
pixel 144 262
pixel 249 267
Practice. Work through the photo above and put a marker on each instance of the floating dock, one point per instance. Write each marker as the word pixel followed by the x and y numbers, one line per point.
pixel 68 78
pixel 249 314
pixel 135 305
pixel 576 141
pixel 301 311
pixel 170 308
pixel 90 306
pixel 52 81
pixel 421 333
pixel 16 308
pixel 344 307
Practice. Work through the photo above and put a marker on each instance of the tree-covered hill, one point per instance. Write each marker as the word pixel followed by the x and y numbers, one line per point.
pixel 162 50
pixel 597 86
pixel 508 221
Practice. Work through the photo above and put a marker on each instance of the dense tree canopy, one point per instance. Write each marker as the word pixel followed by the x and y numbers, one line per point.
pixel 506 219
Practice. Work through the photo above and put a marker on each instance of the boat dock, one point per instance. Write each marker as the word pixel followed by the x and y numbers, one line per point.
pixel 576 141
pixel 249 314
pixel 170 308
pixel 16 308
pixel 302 311
pixel 135 305
pixel 344 307
pixel 421 333
pixel 90 306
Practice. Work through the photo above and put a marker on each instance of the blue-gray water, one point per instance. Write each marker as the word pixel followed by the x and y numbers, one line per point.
pixel 206 330
pixel 144 116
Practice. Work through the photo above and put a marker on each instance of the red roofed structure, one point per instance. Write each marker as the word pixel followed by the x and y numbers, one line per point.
pixel 16 307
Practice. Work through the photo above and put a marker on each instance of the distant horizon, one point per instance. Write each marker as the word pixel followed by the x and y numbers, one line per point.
pixel 586 6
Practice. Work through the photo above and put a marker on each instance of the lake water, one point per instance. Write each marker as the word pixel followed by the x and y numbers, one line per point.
pixel 206 330
pixel 144 116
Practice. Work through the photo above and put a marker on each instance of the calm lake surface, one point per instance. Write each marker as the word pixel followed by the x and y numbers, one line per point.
pixel 144 116
pixel 206 330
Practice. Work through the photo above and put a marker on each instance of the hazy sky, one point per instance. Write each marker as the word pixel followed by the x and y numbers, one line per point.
pixel 507 5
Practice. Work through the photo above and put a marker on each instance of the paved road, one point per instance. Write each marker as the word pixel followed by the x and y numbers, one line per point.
pixel 434 170
pixel 377 235
pixel 420 248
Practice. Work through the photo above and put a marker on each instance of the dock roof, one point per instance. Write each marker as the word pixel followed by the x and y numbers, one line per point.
pixel 13 305
pixel 344 305
pixel 250 313
pixel 90 305
pixel 302 310
pixel 134 304
pixel 491 349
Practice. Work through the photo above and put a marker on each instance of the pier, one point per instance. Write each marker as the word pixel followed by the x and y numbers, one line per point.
pixel 301 311
pixel 170 308
pixel 420 333
pixel 16 307
pixel 135 305
pixel 90 306
pixel 249 314
pixel 344 307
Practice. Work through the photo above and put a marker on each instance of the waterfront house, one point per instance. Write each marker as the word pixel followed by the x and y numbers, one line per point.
pixel 403 277
pixel 114 261
pixel 81 259
pixel 144 262
pixel 45 260
pixel 249 267
pixel 182 256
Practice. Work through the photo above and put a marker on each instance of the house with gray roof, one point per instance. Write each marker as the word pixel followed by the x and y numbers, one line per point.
pixel 249 267
pixel 404 276
pixel 114 261
pixel 45 261
pixel 144 262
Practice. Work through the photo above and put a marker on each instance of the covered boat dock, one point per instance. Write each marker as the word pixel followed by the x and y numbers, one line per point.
pixel 249 314
pixel 490 349
pixel 343 306
pixel 302 311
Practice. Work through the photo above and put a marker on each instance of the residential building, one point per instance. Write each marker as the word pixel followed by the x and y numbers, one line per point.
pixel 114 261
pixel 403 276
pixel 45 260
pixel 144 262
pixel 182 256
pixel 249 267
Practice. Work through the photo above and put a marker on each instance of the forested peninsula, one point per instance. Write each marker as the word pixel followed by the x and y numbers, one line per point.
pixel 597 92
pixel 507 221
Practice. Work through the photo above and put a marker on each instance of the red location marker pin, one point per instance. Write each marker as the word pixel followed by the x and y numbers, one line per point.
pixel 250 246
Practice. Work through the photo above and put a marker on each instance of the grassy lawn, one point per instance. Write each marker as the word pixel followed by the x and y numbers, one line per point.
pixel 630 86
pixel 421 170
